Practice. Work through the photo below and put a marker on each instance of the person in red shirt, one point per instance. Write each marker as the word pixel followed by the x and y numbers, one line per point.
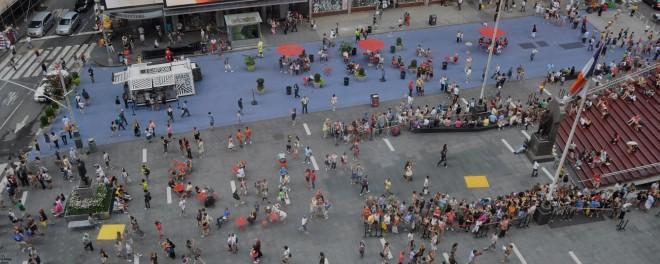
pixel 248 135
pixel 239 138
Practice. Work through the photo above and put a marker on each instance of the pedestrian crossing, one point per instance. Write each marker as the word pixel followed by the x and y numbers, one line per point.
pixel 29 65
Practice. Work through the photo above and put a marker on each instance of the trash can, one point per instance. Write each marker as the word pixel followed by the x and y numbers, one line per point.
pixel 369 29
pixel 288 90
pixel 403 75
pixel 433 19
pixel 392 49
pixel 91 143
pixel 444 65
pixel 346 79
pixel 375 100
pixel 542 214
pixel 311 57
pixel 77 140
pixel 353 52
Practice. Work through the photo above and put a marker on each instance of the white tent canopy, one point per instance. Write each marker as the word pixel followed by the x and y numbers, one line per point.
pixel 143 76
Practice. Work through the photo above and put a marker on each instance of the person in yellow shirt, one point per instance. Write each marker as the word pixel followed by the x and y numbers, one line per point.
pixel 486 122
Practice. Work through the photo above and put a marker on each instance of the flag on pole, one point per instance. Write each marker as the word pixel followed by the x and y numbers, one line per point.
pixel 585 73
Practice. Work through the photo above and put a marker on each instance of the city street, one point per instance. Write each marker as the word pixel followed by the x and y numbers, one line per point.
pixel 485 174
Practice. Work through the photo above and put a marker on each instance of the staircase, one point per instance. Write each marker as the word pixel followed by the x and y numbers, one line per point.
pixel 599 134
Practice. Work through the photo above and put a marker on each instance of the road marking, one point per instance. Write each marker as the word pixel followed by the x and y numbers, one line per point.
pixel 507 145
pixel 547 173
pixel 169 195
pixel 464 101
pixel 232 185
pixel 547 92
pixel 21 124
pixel 525 134
pixel 517 252
pixel 445 256
pixel 34 66
pixel 18 64
pixel 389 145
pixel 55 52
pixel 316 166
pixel 69 55
pixel 11 114
pixel 82 50
pixel 144 155
pixel 574 257
pixel 309 133
pixel 10 99
pixel 5 70
pixel 24 197
pixel 87 33
pixel 24 67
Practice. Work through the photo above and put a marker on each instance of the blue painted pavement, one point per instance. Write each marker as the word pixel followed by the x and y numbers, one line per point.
pixel 218 92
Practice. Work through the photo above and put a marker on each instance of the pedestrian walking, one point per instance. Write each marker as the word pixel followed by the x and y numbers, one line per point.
pixel 323 259
pixel 365 185
pixel 240 105
pixel 184 109
pixel 147 200
pixel 106 159
pixel 182 206
pixel 165 142
pixel 472 258
pixel 293 116
pixel 12 62
pixel 211 119
pixel 535 169
pixel 286 255
pixel 533 54
pixel 87 242
pixel 238 117
pixel 304 102
pixel 534 31
pixel 308 155
pixel 227 65
pixel 443 157
pixel 508 250
pixel 303 224
pixel 333 102
pixel 104 256
pixel 468 73
pixel 493 242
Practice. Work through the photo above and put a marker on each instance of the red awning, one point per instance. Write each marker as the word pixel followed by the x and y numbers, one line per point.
pixel 488 32
pixel 290 49
pixel 371 44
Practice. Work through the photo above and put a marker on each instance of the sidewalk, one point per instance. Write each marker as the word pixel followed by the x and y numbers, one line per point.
pixel 447 15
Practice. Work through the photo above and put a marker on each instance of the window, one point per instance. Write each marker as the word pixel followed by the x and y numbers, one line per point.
pixel 362 3
pixel 65 21
pixel 320 6
pixel 35 24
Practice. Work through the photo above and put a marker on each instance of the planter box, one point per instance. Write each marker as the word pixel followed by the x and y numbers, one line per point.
pixel 360 78
pixel 317 84
pixel 251 68
pixel 88 192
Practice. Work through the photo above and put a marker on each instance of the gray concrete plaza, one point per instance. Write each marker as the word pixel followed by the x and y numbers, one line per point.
pixel 480 153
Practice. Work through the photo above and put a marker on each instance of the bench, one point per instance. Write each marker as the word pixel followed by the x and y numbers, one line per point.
pixel 82 224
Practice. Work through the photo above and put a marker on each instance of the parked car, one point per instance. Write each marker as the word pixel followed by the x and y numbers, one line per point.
pixel 656 17
pixel 40 23
pixel 82 6
pixel 44 89
pixel 68 23
pixel 655 4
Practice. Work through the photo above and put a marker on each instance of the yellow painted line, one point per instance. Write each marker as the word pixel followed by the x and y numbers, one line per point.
pixel 109 231
pixel 476 182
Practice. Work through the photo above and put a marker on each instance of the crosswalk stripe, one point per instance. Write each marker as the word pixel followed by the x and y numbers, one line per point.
pixel 82 50
pixel 35 69
pixel 5 62
pixel 24 66
pixel 18 64
pixel 89 50
pixel 5 70
pixel 55 52
pixel 69 55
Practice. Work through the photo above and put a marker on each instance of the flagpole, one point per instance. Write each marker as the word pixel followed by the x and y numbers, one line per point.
pixel 491 50
pixel 569 141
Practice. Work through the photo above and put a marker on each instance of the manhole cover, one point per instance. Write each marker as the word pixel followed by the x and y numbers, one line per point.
pixel 527 45
pixel 572 45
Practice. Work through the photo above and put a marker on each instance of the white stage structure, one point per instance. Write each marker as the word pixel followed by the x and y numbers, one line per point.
pixel 147 83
